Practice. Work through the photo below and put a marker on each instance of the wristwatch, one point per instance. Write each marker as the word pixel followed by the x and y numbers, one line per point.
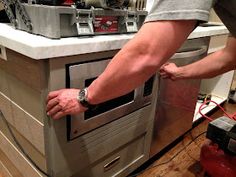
pixel 83 99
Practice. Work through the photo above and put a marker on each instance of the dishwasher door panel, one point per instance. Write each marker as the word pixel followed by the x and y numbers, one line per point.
pixel 174 111
pixel 177 99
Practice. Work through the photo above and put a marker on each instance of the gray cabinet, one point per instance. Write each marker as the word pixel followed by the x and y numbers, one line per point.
pixel 114 148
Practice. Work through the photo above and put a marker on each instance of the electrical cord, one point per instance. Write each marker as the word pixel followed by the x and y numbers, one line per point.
pixel 163 163
pixel 20 147
pixel 187 150
pixel 209 118
pixel 190 133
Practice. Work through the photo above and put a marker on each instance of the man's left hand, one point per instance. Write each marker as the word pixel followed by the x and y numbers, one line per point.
pixel 63 102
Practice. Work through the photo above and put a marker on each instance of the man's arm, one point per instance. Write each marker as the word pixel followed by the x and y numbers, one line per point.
pixel 140 58
pixel 217 63
pixel 154 44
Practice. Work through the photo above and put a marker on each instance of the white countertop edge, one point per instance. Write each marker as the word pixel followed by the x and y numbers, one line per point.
pixel 39 47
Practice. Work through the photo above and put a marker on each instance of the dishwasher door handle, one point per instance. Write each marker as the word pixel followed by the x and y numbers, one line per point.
pixel 192 53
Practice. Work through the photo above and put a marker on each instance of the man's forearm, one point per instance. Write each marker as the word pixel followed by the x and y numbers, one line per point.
pixel 217 63
pixel 139 59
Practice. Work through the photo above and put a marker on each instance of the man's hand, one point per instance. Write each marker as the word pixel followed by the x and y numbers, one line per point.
pixel 63 102
pixel 169 71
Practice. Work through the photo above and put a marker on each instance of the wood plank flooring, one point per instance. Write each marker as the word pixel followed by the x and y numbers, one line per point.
pixel 183 159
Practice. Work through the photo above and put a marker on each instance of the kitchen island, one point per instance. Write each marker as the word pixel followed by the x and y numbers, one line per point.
pixel 30 67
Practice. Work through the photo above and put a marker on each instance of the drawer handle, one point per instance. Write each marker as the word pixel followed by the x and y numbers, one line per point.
pixel 111 164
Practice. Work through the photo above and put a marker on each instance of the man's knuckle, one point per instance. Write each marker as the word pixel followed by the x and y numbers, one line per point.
pixel 59 105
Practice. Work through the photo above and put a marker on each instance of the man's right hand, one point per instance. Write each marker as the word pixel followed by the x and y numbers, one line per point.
pixel 169 71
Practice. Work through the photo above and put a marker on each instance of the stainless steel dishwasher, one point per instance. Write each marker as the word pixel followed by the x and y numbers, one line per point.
pixel 177 99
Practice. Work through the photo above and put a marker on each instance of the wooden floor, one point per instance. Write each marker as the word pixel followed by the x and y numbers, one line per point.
pixel 182 160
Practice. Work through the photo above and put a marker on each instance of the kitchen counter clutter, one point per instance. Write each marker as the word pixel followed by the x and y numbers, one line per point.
pixel 112 140
pixel 38 47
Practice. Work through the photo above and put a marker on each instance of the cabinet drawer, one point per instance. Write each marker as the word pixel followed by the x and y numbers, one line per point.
pixel 119 162
pixel 108 150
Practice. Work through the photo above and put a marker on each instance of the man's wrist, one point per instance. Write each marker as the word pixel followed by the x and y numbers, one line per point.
pixel 185 72
pixel 180 73
pixel 83 99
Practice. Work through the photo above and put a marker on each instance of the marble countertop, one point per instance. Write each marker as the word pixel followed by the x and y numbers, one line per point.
pixel 38 47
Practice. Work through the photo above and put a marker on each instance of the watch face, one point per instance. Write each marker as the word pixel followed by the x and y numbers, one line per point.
pixel 82 98
pixel 82 95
